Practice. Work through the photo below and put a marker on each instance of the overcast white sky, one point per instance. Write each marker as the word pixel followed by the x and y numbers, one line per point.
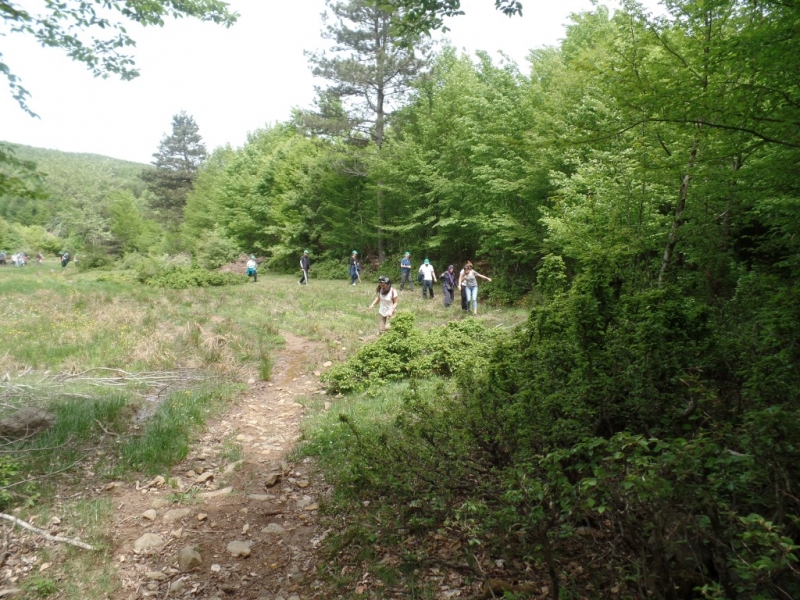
pixel 231 81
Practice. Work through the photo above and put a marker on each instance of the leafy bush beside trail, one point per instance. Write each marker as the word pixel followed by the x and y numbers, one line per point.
pixel 650 437
pixel 178 277
pixel 404 351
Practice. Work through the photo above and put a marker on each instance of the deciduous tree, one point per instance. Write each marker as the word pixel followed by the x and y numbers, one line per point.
pixel 93 31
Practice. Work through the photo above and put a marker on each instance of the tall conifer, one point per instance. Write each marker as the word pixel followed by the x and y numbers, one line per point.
pixel 177 161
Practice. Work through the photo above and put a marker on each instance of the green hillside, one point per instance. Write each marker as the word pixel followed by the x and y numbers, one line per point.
pixel 52 200
pixel 69 179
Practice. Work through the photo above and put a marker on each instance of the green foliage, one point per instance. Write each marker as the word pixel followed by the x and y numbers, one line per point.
pixel 157 273
pixel 41 586
pixel 215 249
pixel 165 438
pixel 94 258
pixel 329 268
pixel 405 351
pixel 9 467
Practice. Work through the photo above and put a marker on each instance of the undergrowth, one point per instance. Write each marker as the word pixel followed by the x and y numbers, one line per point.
pixel 405 351
pixel 166 435
pixel 181 277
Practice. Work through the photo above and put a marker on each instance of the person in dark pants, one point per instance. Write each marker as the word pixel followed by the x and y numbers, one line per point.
pixel 405 272
pixel 355 267
pixel 252 268
pixel 428 277
pixel 464 303
pixel 305 265
pixel 448 279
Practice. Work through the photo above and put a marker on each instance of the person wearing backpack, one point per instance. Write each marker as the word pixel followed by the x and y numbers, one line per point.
pixel 355 268
pixel 305 265
pixel 252 268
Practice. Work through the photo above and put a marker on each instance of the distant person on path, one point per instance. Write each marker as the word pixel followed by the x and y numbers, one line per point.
pixel 355 268
pixel 23 259
pixel 305 265
pixel 3 257
pixel 428 276
pixel 469 279
pixel 387 296
pixel 405 272
pixel 65 258
pixel 448 285
pixel 39 258
pixel 252 268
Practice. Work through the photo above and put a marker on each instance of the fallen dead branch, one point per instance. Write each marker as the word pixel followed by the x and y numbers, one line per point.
pixel 45 535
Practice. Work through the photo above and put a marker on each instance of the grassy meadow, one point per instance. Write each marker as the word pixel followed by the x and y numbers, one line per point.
pixel 63 320
pixel 96 349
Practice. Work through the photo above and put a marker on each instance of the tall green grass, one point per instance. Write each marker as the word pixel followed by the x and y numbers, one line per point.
pixel 166 436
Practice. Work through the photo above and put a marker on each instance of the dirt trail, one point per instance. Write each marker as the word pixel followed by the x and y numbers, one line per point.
pixel 235 502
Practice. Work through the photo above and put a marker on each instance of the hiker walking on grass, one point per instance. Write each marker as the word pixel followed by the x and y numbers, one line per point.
pixel 448 279
pixel 305 265
pixel 405 272
pixel 428 276
pixel 252 268
pixel 387 296
pixel 355 268
pixel 469 280
pixel 65 258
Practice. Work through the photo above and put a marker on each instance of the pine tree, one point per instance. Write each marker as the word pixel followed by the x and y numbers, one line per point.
pixel 371 68
pixel 177 161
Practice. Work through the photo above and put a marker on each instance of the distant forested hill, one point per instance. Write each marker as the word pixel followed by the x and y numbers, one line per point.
pixel 70 180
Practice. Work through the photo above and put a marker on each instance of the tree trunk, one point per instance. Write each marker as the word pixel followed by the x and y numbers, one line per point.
pixel 677 220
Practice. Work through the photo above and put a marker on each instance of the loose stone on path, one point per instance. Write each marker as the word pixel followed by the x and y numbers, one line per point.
pixel 148 542
pixel 239 548
pixel 176 514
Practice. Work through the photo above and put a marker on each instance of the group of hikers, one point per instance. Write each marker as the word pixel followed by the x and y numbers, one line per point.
pixel 305 265
pixel 466 282
pixel 18 259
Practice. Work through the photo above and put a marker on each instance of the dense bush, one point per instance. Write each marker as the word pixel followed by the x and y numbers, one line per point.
pixel 404 351
pixel 158 274
pixel 645 431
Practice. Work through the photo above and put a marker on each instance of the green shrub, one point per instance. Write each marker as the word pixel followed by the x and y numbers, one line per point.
pixel 327 269
pixel 404 352
pixel 215 249
pixel 94 259
pixel 176 277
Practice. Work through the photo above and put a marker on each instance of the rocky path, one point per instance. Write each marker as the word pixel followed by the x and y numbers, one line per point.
pixel 222 525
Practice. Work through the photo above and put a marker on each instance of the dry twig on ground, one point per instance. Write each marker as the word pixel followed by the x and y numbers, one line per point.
pixel 45 535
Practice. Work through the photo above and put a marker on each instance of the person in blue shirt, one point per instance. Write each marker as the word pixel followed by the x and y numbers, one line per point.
pixel 405 272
